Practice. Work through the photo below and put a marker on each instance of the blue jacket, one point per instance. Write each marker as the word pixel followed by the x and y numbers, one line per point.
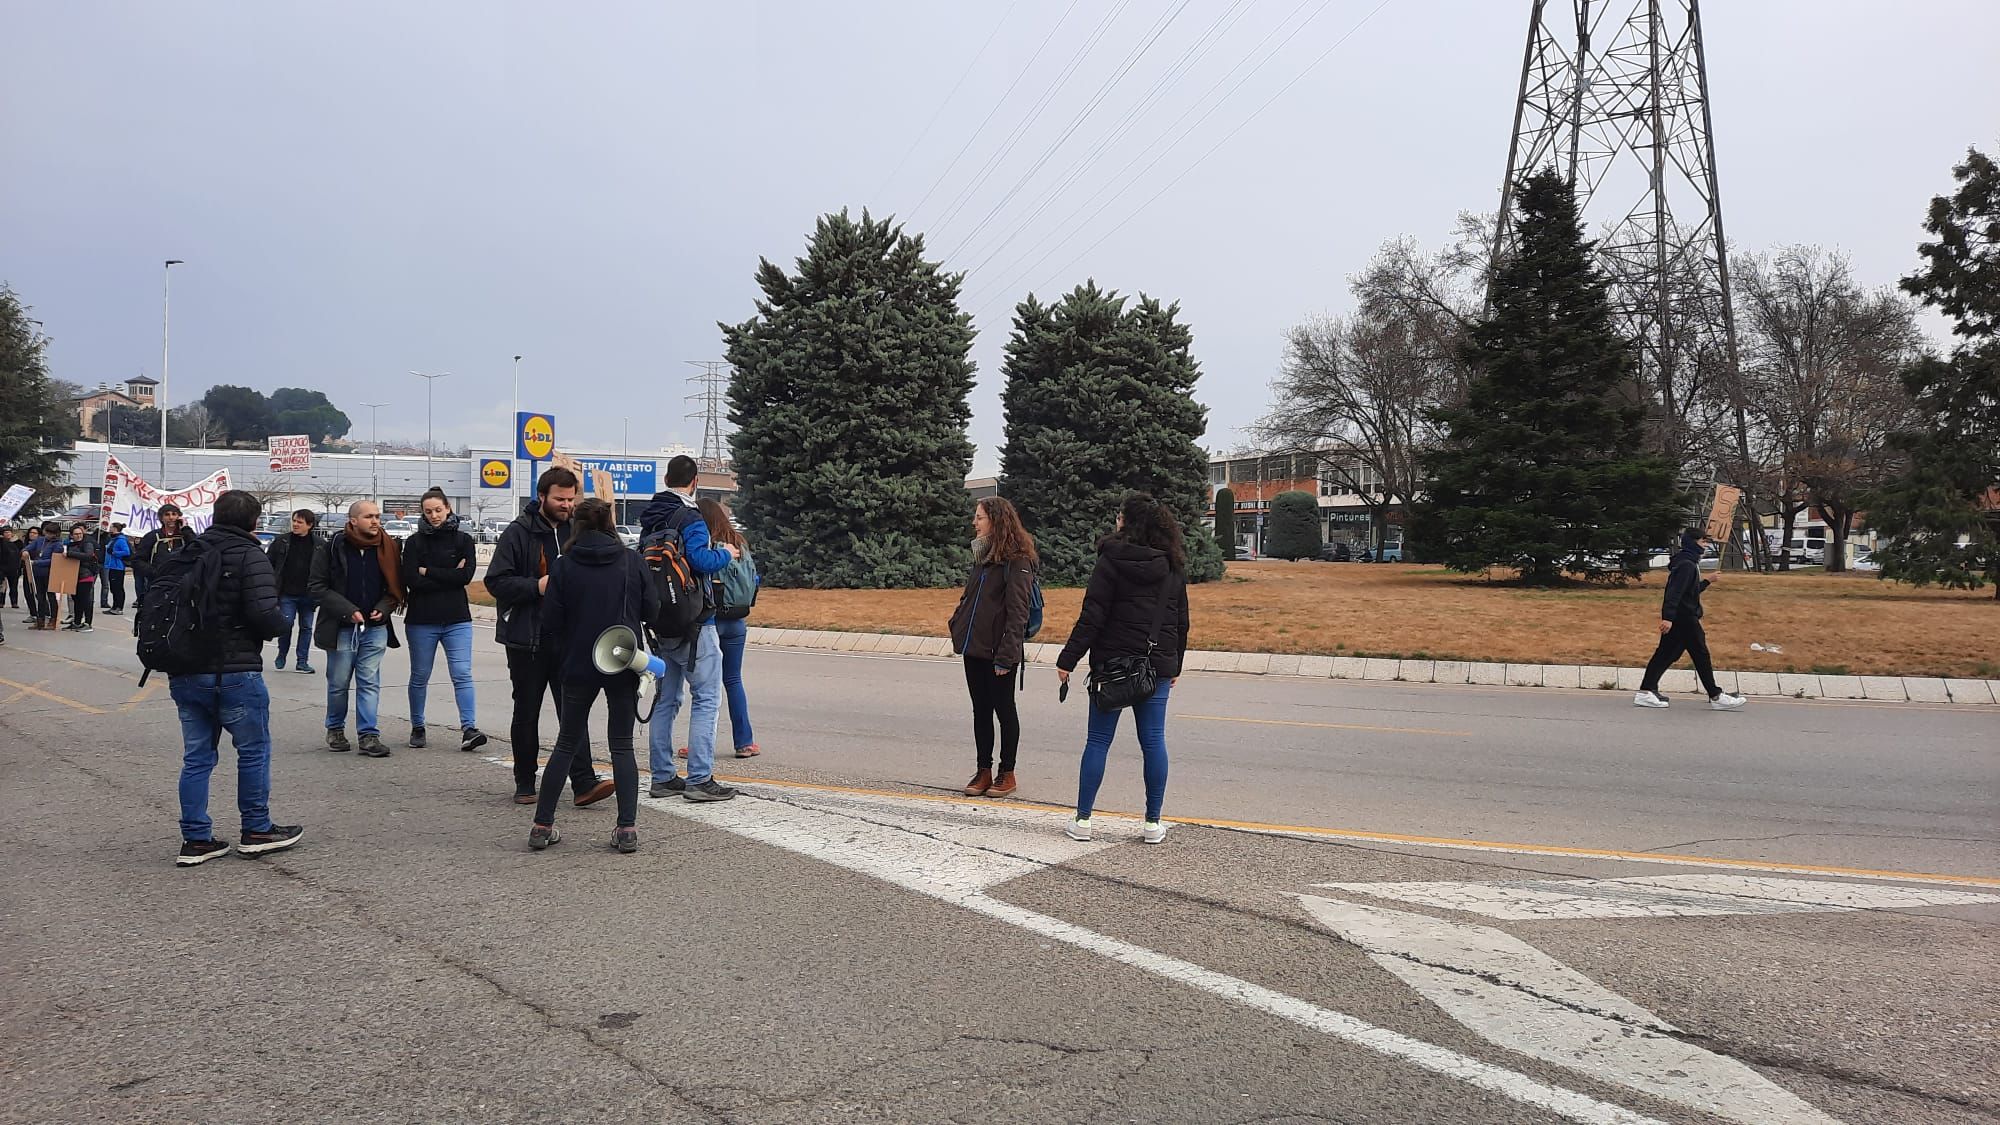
pixel 669 511
pixel 117 551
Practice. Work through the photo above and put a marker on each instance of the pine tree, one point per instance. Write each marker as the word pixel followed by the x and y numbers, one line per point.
pixel 1293 532
pixel 850 402
pixel 1225 520
pixel 1542 469
pixel 33 413
pixel 1099 402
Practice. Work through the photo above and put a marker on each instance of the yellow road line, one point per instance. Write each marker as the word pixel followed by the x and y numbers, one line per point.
pixel 144 693
pixel 1328 726
pixel 36 691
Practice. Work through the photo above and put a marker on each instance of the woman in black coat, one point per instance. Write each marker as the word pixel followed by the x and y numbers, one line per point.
pixel 1135 606
pixel 437 564
pixel 989 629
pixel 596 583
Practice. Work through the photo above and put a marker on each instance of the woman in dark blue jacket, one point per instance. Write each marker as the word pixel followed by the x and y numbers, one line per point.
pixel 596 583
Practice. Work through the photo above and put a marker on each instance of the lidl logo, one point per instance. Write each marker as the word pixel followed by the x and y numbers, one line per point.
pixel 537 435
pixel 495 473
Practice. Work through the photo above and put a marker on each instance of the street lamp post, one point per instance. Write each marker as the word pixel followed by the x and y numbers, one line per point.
pixel 166 318
pixel 374 451
pixel 430 447
pixel 513 491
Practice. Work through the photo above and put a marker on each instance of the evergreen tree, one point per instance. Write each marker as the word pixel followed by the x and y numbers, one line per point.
pixel 1542 469
pixel 301 411
pixel 1099 402
pixel 850 402
pixel 1225 520
pixel 1293 532
pixel 34 414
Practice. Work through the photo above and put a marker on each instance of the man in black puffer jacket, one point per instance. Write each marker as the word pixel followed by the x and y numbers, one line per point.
pixel 232 698
pixel 1680 628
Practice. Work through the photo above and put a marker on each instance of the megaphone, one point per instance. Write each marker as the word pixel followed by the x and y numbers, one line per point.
pixel 618 650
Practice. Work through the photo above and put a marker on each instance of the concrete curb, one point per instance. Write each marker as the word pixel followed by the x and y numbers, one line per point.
pixel 1790 685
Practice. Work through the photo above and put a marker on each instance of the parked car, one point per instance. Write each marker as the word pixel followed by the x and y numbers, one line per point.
pixel 401 529
pixel 628 535
pixel 1392 551
pixel 1336 551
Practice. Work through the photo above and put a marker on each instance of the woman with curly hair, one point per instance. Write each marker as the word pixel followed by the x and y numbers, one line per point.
pixel 990 629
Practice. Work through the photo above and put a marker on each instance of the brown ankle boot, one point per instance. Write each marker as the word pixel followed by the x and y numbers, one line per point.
pixel 980 783
pixel 1002 785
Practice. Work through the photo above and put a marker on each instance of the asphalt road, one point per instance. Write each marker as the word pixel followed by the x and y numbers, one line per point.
pixel 1385 902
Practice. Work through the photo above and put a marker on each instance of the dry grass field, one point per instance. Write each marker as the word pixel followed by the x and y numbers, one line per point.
pixel 1831 624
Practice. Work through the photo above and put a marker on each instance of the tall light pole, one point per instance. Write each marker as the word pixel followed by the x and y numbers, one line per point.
pixel 513 491
pixel 166 318
pixel 374 451
pixel 430 447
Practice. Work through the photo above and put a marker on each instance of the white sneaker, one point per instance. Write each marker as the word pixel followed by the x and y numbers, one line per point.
pixel 1648 699
pixel 1154 832
pixel 1078 829
pixel 1726 702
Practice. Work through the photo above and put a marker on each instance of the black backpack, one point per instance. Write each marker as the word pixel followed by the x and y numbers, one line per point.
pixel 682 593
pixel 177 621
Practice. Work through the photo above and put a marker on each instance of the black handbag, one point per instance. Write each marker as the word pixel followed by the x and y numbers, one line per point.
pixel 1118 682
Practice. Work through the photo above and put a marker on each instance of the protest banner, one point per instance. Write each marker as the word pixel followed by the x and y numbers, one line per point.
pixel 597 482
pixel 11 504
pixel 129 499
pixel 291 454
pixel 1722 514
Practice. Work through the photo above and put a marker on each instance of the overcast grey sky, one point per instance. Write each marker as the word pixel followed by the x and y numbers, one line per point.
pixel 362 189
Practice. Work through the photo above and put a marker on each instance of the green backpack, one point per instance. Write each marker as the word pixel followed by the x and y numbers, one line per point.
pixel 735 589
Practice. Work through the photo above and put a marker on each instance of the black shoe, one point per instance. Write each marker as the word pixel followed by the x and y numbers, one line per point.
pixel 274 839
pixel 86 629
pixel 470 739
pixel 336 740
pixel 304 669
pixel 710 790
pixel 200 851
pixel 417 741
pixel 371 746
pixel 669 786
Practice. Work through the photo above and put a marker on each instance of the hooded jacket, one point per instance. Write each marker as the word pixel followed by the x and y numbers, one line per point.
pixel 1118 606
pixel 598 583
pixel 1684 582
pixel 246 598
pixel 85 553
pixel 280 551
pixel 669 511
pixel 437 597
pixel 991 621
pixel 528 549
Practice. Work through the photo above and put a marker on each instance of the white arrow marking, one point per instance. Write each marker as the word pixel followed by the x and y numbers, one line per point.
pixel 1514 995
pixel 1662 896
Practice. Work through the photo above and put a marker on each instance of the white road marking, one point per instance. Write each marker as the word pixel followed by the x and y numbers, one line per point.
pixel 1661 896
pixel 1515 996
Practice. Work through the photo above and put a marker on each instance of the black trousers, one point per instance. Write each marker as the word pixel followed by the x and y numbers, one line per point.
pixel 621 695
pixel 40 599
pixel 14 589
pixel 533 673
pixel 1685 637
pixel 83 604
pixel 113 594
pixel 993 698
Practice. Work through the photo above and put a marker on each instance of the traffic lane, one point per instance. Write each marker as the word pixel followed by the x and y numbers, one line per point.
pixel 413 960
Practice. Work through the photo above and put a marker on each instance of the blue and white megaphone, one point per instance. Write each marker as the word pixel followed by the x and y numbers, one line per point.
pixel 618 650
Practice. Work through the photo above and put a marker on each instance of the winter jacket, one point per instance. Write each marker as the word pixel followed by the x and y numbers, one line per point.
pixel 527 550
pixel 597 584
pixel 1684 583
pixel 438 597
pixel 11 564
pixel 669 512
pixel 280 553
pixel 154 548
pixel 991 622
pixel 41 552
pixel 87 564
pixel 246 598
pixel 116 550
pixel 328 587
pixel 1125 588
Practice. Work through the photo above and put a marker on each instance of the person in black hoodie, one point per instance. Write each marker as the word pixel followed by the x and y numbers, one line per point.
pixel 1140 580
pixel 596 584
pixel 291 560
pixel 438 562
pixel 1680 628
pixel 517 578
pixel 83 604
pixel 989 629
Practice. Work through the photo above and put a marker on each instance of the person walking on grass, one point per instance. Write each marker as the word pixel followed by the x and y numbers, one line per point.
pixel 439 561
pixel 291 560
pixel 117 548
pixel 83 603
pixel 990 630
pixel 518 578
pixel 1680 628
pixel 735 591
pixel 1134 620
pixel 597 583
pixel 357 582
pixel 697 663
pixel 243 594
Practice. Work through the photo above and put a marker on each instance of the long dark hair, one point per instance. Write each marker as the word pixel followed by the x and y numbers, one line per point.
pixel 1149 523
pixel 1008 541
pixel 591 515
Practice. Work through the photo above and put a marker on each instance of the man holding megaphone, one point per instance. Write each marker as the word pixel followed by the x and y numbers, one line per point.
pixel 598 598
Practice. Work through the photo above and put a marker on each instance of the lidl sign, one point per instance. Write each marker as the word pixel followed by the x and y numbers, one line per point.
pixel 534 436
pixel 495 472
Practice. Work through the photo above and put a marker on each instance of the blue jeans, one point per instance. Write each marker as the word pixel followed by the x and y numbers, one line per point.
pixel 704 683
pixel 457 641
pixel 358 660
pixel 240 705
pixel 296 608
pixel 1151 717
pixel 732 635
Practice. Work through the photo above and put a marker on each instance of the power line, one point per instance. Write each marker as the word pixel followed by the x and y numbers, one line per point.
pixel 939 112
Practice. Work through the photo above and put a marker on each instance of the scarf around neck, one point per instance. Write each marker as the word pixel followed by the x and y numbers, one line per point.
pixel 387 554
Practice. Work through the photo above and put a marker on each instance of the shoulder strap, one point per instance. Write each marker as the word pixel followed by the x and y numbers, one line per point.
pixel 1159 612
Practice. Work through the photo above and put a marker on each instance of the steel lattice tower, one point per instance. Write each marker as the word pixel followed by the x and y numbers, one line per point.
pixel 1614 95
pixel 712 384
